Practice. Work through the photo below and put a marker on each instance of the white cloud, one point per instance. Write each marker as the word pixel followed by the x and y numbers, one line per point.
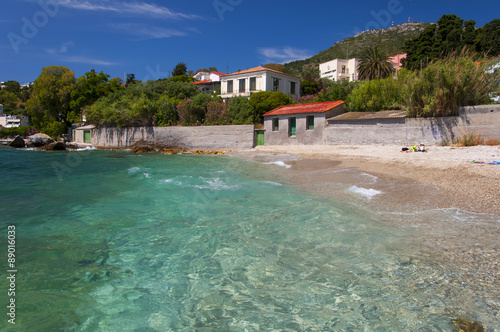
pixel 61 49
pixel 131 8
pixel 283 55
pixel 147 32
pixel 82 59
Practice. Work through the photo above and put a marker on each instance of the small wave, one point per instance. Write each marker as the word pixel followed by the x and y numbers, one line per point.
pixel 87 148
pixel 273 183
pixel 279 163
pixel 133 170
pixel 146 175
pixel 367 193
pixel 210 184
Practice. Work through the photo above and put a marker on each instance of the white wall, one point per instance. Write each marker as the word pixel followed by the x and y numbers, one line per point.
pixel 264 82
pixel 333 69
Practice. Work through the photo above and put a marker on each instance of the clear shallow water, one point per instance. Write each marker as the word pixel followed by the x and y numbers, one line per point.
pixel 112 241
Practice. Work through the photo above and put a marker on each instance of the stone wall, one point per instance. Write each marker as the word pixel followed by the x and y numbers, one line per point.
pixel 203 137
pixel 482 120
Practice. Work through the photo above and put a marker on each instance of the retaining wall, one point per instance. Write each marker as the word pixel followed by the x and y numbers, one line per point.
pixel 203 137
pixel 482 120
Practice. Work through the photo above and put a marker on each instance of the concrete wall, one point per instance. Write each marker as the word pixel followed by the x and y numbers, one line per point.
pixel 482 120
pixel 204 137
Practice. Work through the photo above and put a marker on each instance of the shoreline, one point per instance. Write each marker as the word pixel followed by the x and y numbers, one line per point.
pixel 452 204
pixel 442 177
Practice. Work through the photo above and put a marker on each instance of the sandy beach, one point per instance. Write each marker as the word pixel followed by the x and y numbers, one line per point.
pixel 442 177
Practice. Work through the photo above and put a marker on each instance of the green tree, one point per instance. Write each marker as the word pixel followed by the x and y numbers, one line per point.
pixel 374 64
pixel 89 88
pixel 180 69
pixel 241 111
pixel 266 101
pixel 51 97
pixel 9 101
pixel 489 39
pixel 12 86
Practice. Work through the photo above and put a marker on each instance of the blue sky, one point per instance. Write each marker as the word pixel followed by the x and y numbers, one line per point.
pixel 149 37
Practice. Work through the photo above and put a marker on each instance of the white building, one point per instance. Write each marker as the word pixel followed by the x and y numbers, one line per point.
pixel 246 82
pixel 209 82
pixel 340 69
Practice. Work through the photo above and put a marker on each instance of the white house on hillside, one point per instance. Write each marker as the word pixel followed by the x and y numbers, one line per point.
pixel 340 69
pixel 246 82
pixel 209 82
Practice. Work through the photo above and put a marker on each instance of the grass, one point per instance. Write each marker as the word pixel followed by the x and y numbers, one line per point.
pixel 468 140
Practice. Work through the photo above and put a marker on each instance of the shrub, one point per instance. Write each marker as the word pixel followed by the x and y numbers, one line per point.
pixel 468 140
pixel 491 141
pixel 446 85
pixel 55 129
pixel 217 114
pixel 241 111
pixel 375 96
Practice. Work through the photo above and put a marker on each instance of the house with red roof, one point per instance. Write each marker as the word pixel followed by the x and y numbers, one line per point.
pixel 209 82
pixel 246 82
pixel 302 124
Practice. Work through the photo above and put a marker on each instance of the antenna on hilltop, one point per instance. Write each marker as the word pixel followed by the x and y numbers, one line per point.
pixel 409 19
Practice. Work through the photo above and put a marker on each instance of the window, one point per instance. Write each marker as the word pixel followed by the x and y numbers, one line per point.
pixel 253 83
pixel 242 85
pixel 292 126
pixel 343 69
pixel 276 84
pixel 292 88
pixel 276 124
pixel 230 86
pixel 310 122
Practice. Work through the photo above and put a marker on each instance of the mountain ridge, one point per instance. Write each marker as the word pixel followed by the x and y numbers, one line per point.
pixel 391 40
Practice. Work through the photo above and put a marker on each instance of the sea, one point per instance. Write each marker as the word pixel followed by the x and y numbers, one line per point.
pixel 102 240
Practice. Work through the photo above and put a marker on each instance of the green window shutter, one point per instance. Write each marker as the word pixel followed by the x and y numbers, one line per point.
pixel 310 122
pixel 292 122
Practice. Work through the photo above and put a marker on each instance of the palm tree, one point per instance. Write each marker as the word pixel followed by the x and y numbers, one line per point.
pixel 374 64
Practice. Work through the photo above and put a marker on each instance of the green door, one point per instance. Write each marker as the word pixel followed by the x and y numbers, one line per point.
pixel 292 125
pixel 260 137
pixel 86 136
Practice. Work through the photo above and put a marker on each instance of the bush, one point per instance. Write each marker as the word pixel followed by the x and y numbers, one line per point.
pixel 266 101
pixel 446 85
pixel 217 114
pixel 55 129
pixel 468 140
pixel 241 111
pixel 17 131
pixel 375 96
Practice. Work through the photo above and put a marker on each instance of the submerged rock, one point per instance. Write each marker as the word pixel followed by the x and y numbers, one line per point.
pixel 467 326
pixel 18 142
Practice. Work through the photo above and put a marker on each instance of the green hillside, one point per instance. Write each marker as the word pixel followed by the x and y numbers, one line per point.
pixel 392 40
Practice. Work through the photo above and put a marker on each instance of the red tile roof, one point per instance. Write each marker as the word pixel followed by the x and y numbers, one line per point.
pixel 305 108
pixel 259 68
pixel 217 73
pixel 202 82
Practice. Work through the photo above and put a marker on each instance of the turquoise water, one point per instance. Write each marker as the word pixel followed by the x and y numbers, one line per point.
pixel 113 241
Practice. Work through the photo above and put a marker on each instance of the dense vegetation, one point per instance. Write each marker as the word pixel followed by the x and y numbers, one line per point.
pixel 446 69
pixel 451 34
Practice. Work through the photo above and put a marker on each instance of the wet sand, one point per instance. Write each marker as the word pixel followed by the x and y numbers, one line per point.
pixel 415 190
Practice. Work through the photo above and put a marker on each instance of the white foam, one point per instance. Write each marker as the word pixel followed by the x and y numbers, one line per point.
pixel 133 170
pixel 146 175
pixel 279 163
pixel 215 184
pixel 87 148
pixel 367 193
pixel 273 183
